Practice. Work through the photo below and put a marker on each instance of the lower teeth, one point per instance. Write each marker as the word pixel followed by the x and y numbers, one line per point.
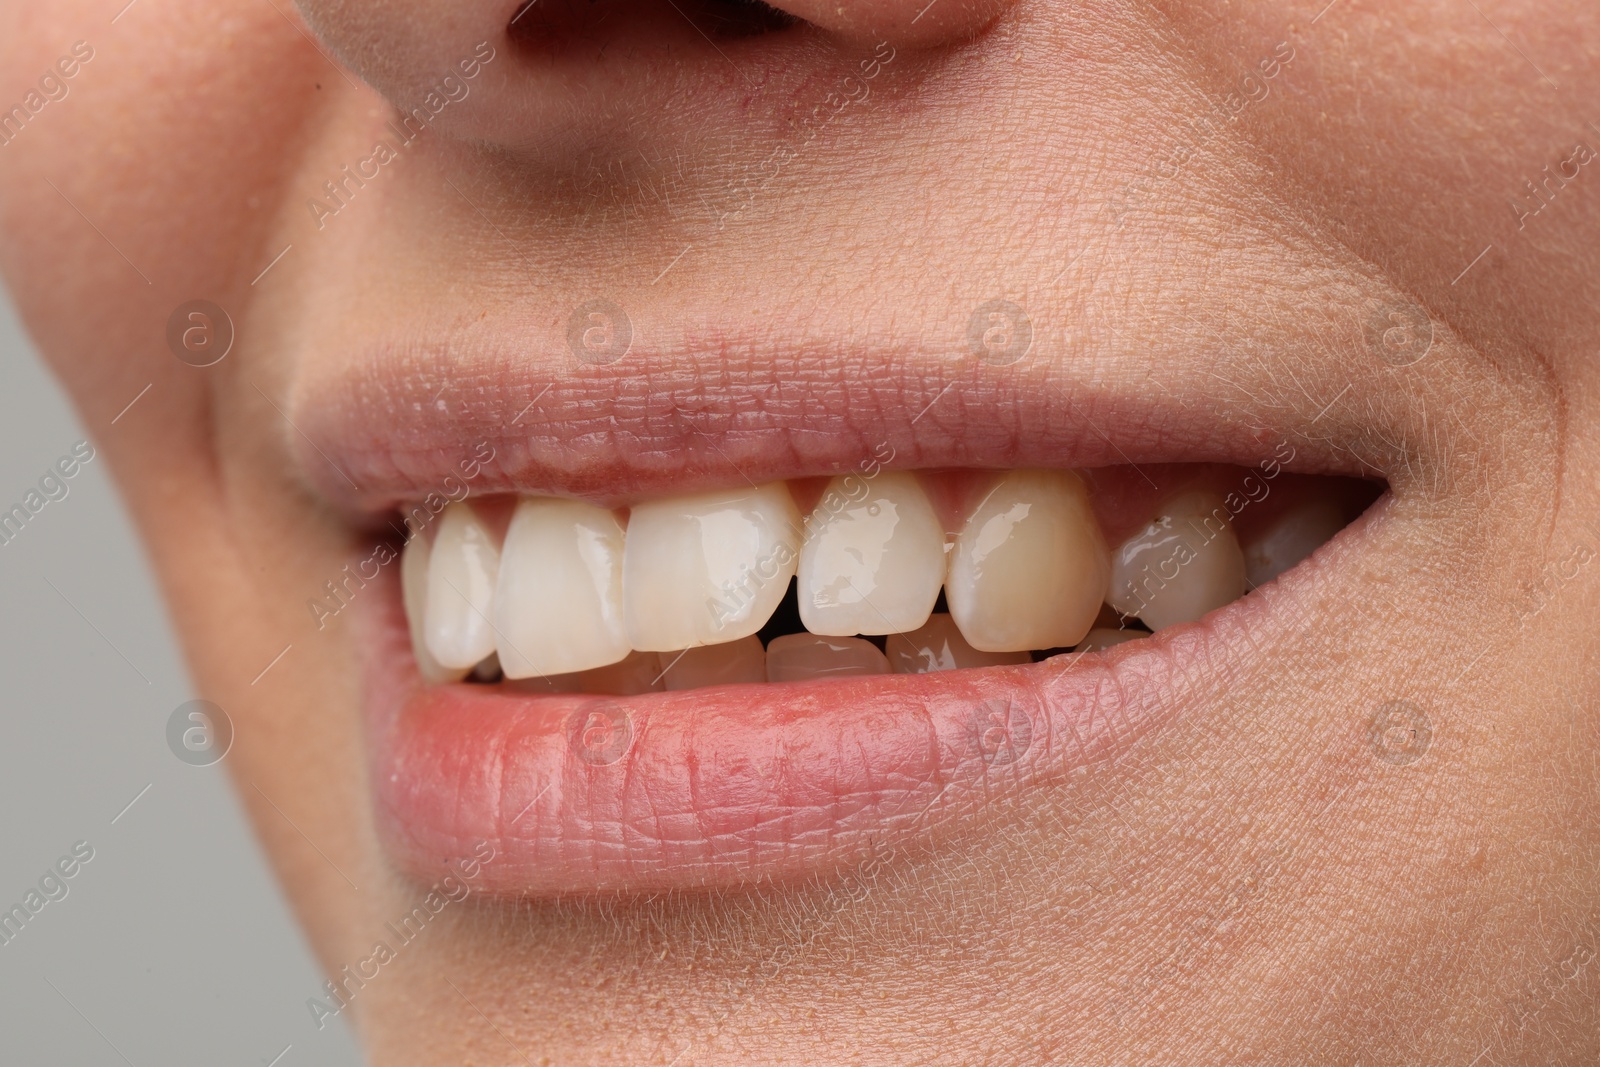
pixel 784 654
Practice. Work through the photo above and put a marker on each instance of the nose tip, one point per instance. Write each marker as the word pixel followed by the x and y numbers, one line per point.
pixel 513 55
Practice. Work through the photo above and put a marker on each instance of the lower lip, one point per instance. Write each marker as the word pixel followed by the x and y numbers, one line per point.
pixel 728 786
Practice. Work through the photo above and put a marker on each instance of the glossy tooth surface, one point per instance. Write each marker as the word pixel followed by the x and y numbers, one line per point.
pixel 1030 566
pixel 639 673
pixel 707 569
pixel 414 594
pixel 731 663
pixel 461 576
pixel 1298 533
pixel 802 657
pixel 1102 638
pixel 558 602
pixel 871 564
pixel 939 646
pixel 1184 564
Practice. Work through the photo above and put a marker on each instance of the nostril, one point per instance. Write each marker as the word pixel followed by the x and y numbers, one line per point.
pixel 549 24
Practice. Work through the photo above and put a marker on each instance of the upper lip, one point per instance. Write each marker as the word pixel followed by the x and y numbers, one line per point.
pixel 386 427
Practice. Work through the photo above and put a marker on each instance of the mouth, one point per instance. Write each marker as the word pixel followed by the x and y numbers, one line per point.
pixel 629 670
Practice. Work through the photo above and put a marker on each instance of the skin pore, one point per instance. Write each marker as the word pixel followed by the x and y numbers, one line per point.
pixel 1213 203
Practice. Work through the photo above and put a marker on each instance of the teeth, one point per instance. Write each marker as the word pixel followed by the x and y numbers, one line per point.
pixel 1184 564
pixel 801 657
pixel 939 646
pixel 873 559
pixel 573 603
pixel 461 577
pixel 731 663
pixel 1297 534
pixel 414 593
pixel 639 673
pixel 1029 568
pixel 1103 637
pixel 707 569
pixel 558 601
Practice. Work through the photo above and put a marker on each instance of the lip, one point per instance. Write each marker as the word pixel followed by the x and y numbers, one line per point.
pixel 742 785
pixel 396 422
pixel 749 784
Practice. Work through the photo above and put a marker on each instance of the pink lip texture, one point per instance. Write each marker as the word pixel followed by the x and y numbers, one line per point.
pixel 741 784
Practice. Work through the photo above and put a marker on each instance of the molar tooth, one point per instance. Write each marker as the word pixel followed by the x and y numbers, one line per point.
pixel 731 663
pixel 707 569
pixel 1184 564
pixel 801 657
pixel 872 564
pixel 939 646
pixel 414 594
pixel 1295 535
pixel 1029 568
pixel 461 576
pixel 558 602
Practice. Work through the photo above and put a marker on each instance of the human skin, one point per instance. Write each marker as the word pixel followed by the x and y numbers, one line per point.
pixel 1255 881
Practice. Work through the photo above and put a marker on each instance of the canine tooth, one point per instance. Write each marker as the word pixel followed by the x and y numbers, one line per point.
pixel 1185 563
pixel 461 577
pixel 414 594
pixel 873 559
pixel 1101 638
pixel 1029 568
pixel 639 673
pixel 939 646
pixel 707 569
pixel 558 602
pixel 1297 533
pixel 730 663
pixel 801 657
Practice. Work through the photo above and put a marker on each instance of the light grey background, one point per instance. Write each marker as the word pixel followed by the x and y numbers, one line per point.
pixel 173 945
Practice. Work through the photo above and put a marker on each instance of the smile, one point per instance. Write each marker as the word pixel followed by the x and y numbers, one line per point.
pixel 630 676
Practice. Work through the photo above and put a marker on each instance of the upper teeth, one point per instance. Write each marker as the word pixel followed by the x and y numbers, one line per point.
pixel 571 588
pixel 461 577
pixel 1030 566
pixel 1180 566
pixel 558 603
pixel 872 566
pixel 706 569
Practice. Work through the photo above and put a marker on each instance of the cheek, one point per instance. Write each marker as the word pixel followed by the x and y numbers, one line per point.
pixel 133 134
